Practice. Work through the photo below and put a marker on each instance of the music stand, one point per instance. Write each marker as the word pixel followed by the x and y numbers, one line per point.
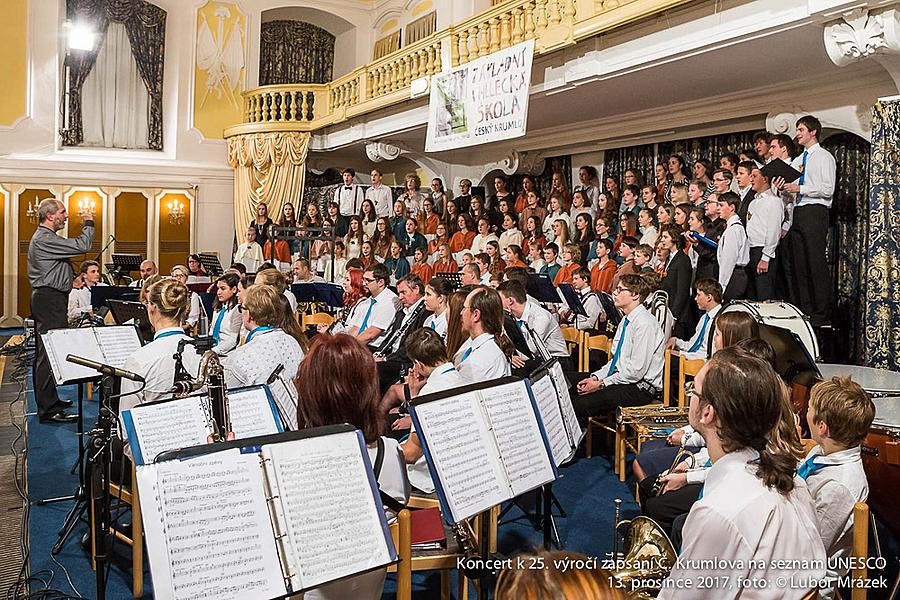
pixel 330 294
pixel 541 288
pixel 101 294
pixel 124 311
pixel 211 263
pixel 454 279
pixel 567 290
pixel 126 263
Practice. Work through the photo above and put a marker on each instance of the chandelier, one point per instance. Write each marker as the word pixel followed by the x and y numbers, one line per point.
pixel 33 211
pixel 176 212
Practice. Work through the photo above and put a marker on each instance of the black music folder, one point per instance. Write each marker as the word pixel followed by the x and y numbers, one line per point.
pixel 541 287
pixel 779 168
pixel 572 298
pixel 100 294
pixel 263 518
pixel 331 294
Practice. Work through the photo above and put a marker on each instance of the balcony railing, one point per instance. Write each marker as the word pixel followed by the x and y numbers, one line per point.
pixel 553 24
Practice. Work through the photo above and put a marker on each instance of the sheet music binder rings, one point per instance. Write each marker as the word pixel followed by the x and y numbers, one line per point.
pixel 488 436
pixel 291 509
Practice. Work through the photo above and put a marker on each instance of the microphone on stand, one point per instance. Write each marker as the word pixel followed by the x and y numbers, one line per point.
pixel 104 369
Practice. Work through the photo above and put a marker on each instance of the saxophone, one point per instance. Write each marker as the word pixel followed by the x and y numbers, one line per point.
pixel 212 375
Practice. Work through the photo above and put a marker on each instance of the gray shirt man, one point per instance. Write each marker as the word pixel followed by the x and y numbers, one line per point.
pixel 49 254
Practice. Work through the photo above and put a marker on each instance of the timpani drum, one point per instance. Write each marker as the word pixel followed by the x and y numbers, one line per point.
pixel 783 315
pixel 881 460
pixel 877 382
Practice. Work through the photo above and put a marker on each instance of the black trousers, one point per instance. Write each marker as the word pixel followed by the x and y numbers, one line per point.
pixel 810 228
pixel 49 308
pixel 607 399
pixel 761 285
pixel 737 285
pixel 389 373
pixel 787 279
pixel 665 508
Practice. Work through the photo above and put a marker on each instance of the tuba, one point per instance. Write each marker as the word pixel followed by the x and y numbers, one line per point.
pixel 647 555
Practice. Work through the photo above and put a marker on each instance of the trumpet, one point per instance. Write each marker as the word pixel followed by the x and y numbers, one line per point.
pixel 657 487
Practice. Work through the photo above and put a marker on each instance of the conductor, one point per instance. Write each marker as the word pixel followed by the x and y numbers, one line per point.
pixel 50 274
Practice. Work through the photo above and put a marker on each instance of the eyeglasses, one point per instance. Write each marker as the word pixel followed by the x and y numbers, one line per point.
pixel 369 280
pixel 691 390
pixel 620 289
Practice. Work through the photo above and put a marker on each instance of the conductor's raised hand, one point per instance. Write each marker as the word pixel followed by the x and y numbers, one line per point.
pixel 86 214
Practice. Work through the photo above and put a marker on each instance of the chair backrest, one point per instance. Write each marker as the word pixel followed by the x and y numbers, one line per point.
pixel 571 335
pixel 317 319
pixel 600 342
pixel 860 549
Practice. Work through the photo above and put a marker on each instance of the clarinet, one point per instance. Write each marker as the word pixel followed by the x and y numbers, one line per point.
pixel 399 332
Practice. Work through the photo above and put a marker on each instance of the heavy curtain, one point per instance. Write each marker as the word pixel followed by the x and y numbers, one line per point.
pixel 619 160
pixel 145 24
pixel 421 28
pixel 880 290
pixel 709 147
pixel 269 168
pixel 115 100
pixel 294 52
pixel 846 250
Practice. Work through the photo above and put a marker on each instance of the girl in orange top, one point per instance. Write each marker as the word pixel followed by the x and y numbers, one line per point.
pixel 603 272
pixel 421 267
pixel 462 239
pixel 445 262
pixel 572 256
pixel 498 265
pixel 522 199
pixel 428 220
pixel 514 256
pixel 439 239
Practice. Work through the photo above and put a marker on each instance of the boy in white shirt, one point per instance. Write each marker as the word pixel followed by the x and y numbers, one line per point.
pixel 839 416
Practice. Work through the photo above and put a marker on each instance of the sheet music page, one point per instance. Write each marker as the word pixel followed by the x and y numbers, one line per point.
pixel 117 343
pixel 251 413
pixel 166 426
pixel 565 402
pixel 80 342
pixel 548 404
pixel 333 524
pixel 463 453
pixel 518 435
pixel 209 533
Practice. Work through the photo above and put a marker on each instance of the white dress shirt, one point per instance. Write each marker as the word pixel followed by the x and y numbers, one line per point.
pixel 250 255
pixel 733 251
pixel 739 519
pixel 764 218
pixel 486 360
pixel 349 199
pixel 155 363
pixel 79 302
pixel 383 199
pixel 479 244
pixel 291 298
pixel 592 307
pixel 438 323
pixel 542 324
pixel 254 362
pixel 835 489
pixel 642 353
pixel 382 315
pixel 649 235
pixel 229 330
pixel 196 309
pixel 818 176
pixel 701 353
pixel 508 237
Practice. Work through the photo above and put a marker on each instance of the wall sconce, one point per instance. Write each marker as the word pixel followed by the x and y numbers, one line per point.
pixel 33 211
pixel 176 212
pixel 85 204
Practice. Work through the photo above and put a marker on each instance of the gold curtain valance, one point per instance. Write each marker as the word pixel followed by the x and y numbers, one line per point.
pixel 269 168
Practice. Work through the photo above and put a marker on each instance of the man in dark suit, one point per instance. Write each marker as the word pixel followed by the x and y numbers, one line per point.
pixel 677 281
pixel 745 187
pixel 391 358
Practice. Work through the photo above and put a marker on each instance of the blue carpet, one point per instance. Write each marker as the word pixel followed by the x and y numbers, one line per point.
pixel 586 490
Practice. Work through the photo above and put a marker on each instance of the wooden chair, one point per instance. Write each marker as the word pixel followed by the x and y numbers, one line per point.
pixel 860 549
pixel 685 368
pixel 596 342
pixel 126 495
pixel 575 339
pixel 411 560
pixel 316 319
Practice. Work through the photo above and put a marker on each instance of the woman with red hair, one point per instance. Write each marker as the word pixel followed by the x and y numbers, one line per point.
pixel 339 384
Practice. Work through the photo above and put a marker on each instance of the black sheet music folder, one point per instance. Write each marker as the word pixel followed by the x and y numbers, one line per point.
pixel 100 294
pixel 331 294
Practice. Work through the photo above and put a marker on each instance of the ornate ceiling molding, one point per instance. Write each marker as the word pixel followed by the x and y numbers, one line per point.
pixel 862 34
pixel 517 162
pixel 379 151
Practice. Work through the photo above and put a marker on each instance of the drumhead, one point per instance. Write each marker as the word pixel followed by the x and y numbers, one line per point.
pixel 887 413
pixel 874 381
pixel 780 314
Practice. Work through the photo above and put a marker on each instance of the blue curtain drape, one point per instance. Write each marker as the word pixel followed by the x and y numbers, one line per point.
pixel 880 291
